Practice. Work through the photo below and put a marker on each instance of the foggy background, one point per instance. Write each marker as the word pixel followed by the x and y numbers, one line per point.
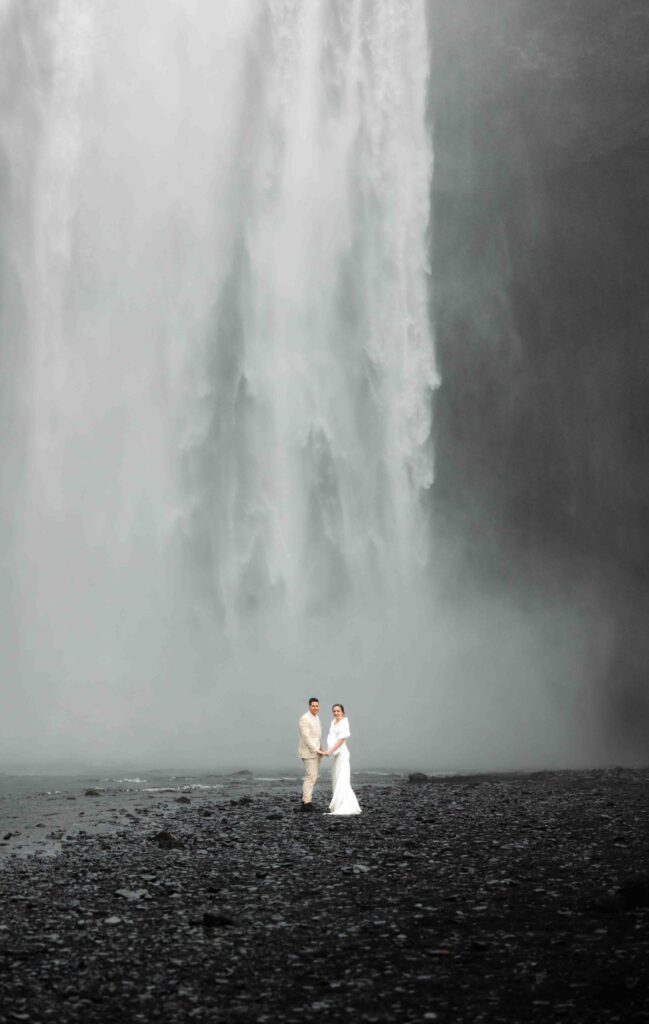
pixel 502 624
pixel 541 187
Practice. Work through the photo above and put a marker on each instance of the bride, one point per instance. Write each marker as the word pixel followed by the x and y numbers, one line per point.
pixel 343 800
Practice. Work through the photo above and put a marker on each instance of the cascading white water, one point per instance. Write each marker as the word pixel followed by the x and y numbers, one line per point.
pixel 216 249
pixel 315 376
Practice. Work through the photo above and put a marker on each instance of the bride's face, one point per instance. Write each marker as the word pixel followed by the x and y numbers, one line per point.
pixel 337 712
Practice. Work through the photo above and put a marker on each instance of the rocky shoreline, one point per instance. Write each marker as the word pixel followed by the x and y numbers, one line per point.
pixel 491 898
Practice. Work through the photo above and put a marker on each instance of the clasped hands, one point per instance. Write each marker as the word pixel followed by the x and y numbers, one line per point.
pixel 324 753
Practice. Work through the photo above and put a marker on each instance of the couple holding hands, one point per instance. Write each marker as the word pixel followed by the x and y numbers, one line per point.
pixel 343 800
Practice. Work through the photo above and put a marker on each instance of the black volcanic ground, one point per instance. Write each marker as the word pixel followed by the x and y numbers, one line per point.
pixel 487 899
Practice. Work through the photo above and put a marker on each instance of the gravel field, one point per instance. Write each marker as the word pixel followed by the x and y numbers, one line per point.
pixel 500 898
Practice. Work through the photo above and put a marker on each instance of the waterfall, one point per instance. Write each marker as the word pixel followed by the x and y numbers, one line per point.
pixel 218 364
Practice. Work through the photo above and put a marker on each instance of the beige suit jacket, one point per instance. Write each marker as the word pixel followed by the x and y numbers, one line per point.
pixel 310 733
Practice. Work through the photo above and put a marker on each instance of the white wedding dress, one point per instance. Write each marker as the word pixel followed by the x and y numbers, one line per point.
pixel 343 800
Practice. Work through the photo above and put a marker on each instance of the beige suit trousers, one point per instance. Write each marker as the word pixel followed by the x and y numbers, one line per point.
pixel 311 766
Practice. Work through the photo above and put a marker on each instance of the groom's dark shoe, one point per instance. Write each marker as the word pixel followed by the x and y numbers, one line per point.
pixel 307 807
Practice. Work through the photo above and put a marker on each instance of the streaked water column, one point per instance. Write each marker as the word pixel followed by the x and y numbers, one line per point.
pixel 218 345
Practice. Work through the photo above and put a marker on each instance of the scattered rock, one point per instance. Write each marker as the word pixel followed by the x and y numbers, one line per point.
pixel 183 800
pixel 216 919
pixel 634 892
pixel 485 907
pixel 92 792
pixel 166 841
pixel 133 895
pixel 631 895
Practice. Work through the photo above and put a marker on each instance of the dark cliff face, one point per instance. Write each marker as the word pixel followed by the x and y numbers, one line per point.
pixel 541 203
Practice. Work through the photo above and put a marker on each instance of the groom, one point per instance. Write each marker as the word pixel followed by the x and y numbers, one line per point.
pixel 310 750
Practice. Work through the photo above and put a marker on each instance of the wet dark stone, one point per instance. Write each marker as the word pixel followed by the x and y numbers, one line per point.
pixel 485 916
pixel 216 919
pixel 183 800
pixel 166 841
pixel 92 792
pixel 635 892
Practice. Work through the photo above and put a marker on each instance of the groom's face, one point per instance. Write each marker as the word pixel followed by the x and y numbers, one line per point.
pixel 314 707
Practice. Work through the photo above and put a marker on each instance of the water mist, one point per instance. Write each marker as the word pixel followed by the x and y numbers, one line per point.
pixel 218 374
pixel 226 366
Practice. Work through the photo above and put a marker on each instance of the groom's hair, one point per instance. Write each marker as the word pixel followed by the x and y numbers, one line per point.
pixel 312 699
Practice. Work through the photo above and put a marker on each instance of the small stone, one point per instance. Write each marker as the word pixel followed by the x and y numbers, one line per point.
pixel 635 892
pixel 166 841
pixel 132 894
pixel 216 919
pixel 183 800
pixel 92 792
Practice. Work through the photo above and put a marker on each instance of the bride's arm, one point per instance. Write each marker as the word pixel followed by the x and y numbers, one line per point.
pixel 344 728
pixel 333 749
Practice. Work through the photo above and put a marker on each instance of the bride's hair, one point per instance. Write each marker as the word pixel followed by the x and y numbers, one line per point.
pixel 341 706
